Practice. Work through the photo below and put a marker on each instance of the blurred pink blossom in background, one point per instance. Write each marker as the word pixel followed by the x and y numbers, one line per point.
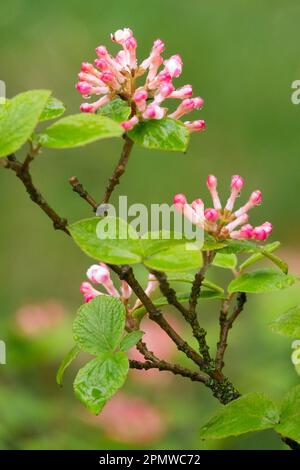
pixel 160 344
pixel 130 420
pixel 34 319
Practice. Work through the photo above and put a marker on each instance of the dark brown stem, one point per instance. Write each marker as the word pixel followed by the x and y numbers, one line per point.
pixel 125 273
pixel 119 170
pixel 225 325
pixel 190 317
pixel 174 368
pixel 79 189
pixel 22 172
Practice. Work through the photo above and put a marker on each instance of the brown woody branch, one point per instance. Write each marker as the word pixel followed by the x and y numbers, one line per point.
pixel 174 368
pixel 125 273
pixel 79 189
pixel 190 317
pixel 225 325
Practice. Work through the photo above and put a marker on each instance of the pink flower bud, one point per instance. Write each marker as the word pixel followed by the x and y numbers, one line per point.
pixel 211 183
pixel 86 67
pixel 211 215
pixel 237 182
pixel 152 285
pixel 187 106
pixel 162 77
pixel 98 274
pixel 164 91
pixel 127 125
pixel 130 43
pixel 246 231
pixel 140 95
pixel 197 102
pixel 101 64
pixel 174 65
pixel 140 99
pixel 86 108
pixel 88 291
pixel 126 290
pixel 158 46
pixel 121 35
pixel 179 200
pixel 185 92
pixel 92 107
pixel 256 198
pixel 268 227
pixel 195 126
pixel 107 77
pixel 101 51
pixel 153 111
pixel 259 233
pixel 84 88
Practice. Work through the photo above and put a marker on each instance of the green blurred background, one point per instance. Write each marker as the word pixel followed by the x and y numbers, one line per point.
pixel 242 57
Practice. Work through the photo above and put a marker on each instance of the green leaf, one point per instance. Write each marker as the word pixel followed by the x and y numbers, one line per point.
pixel 288 324
pixel 289 425
pixel 251 412
pixel 112 249
pixel 79 129
pixel 276 260
pixel 116 109
pixel 263 280
pixel 99 324
pixel 223 260
pixel 53 109
pixel 121 245
pixel 210 243
pixel 130 340
pixel 161 134
pixel 99 380
pixel 18 119
pixel 239 246
pixel 175 258
pixel 67 360
pixel 258 256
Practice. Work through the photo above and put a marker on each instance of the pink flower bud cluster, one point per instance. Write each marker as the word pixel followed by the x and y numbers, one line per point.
pixel 99 274
pixel 115 76
pixel 224 223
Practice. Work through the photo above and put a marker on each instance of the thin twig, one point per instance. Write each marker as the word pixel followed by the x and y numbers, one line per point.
pixel 225 325
pixel 190 317
pixel 125 273
pixel 79 189
pixel 174 368
pixel 119 170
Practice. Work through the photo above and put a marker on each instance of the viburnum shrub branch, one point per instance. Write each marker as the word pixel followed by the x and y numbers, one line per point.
pixel 130 102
